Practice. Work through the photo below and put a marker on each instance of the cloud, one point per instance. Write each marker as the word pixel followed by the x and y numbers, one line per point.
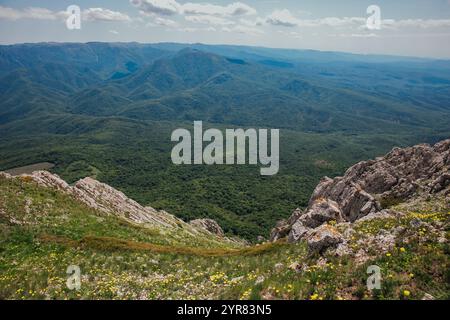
pixel 416 23
pixel 252 23
pixel 100 14
pixel 30 13
pixel 234 9
pixel 158 21
pixel 359 35
pixel 190 30
pixel 282 18
pixel 286 19
pixel 243 30
pixel 212 20
pixel 172 7
pixel 91 14
pixel 114 32
pixel 162 7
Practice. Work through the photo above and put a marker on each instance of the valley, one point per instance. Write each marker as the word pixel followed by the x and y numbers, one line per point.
pixel 107 110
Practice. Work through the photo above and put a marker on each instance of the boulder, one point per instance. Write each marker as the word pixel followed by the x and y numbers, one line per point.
pixel 297 232
pixel 321 210
pixel 322 238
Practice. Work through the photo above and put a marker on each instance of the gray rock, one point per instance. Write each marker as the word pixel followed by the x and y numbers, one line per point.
pixel 209 225
pixel 384 214
pixel 279 267
pixel 395 177
pixel 107 200
pixel 320 211
pixel 261 239
pixel 323 238
pixel 298 231
pixel 428 296
pixel 280 231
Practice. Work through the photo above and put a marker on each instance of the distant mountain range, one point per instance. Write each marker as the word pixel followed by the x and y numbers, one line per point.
pixel 107 110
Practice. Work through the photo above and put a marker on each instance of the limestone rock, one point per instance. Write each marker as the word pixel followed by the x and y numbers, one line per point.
pixel 297 232
pixel 209 225
pixel 49 180
pixel 323 238
pixel 106 200
pixel 321 210
pixel 384 214
pixel 280 231
pixel 366 187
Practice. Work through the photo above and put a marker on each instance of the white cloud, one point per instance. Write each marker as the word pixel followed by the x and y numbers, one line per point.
pixel 162 7
pixel 243 29
pixel 252 23
pixel 30 13
pixel 282 18
pixel 416 23
pixel 91 14
pixel 212 20
pixel 158 21
pixel 172 7
pixel 114 32
pixel 359 35
pixel 100 14
pixel 189 30
pixel 234 9
pixel 286 19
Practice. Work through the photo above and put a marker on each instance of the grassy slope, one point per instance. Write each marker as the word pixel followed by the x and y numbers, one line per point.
pixel 119 260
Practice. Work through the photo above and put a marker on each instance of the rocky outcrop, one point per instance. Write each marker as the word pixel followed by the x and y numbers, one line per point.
pixel 209 225
pixel 322 238
pixel 105 198
pixel 366 189
pixel 109 201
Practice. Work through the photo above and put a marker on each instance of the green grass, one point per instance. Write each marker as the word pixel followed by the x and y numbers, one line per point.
pixel 119 260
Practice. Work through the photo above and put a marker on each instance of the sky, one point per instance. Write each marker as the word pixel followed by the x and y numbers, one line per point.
pixel 406 27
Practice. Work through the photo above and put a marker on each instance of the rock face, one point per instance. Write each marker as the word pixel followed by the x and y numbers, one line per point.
pixel 209 225
pixel 322 238
pixel 109 201
pixel 366 188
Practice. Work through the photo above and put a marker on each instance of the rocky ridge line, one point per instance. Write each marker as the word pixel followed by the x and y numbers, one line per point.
pixel 109 201
pixel 364 191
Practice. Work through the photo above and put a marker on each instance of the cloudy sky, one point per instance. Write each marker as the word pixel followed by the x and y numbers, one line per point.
pixel 408 27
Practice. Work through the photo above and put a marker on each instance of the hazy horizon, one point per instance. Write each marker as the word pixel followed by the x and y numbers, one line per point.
pixel 415 28
pixel 232 45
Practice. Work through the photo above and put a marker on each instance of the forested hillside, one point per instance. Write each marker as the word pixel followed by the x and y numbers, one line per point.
pixel 108 110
